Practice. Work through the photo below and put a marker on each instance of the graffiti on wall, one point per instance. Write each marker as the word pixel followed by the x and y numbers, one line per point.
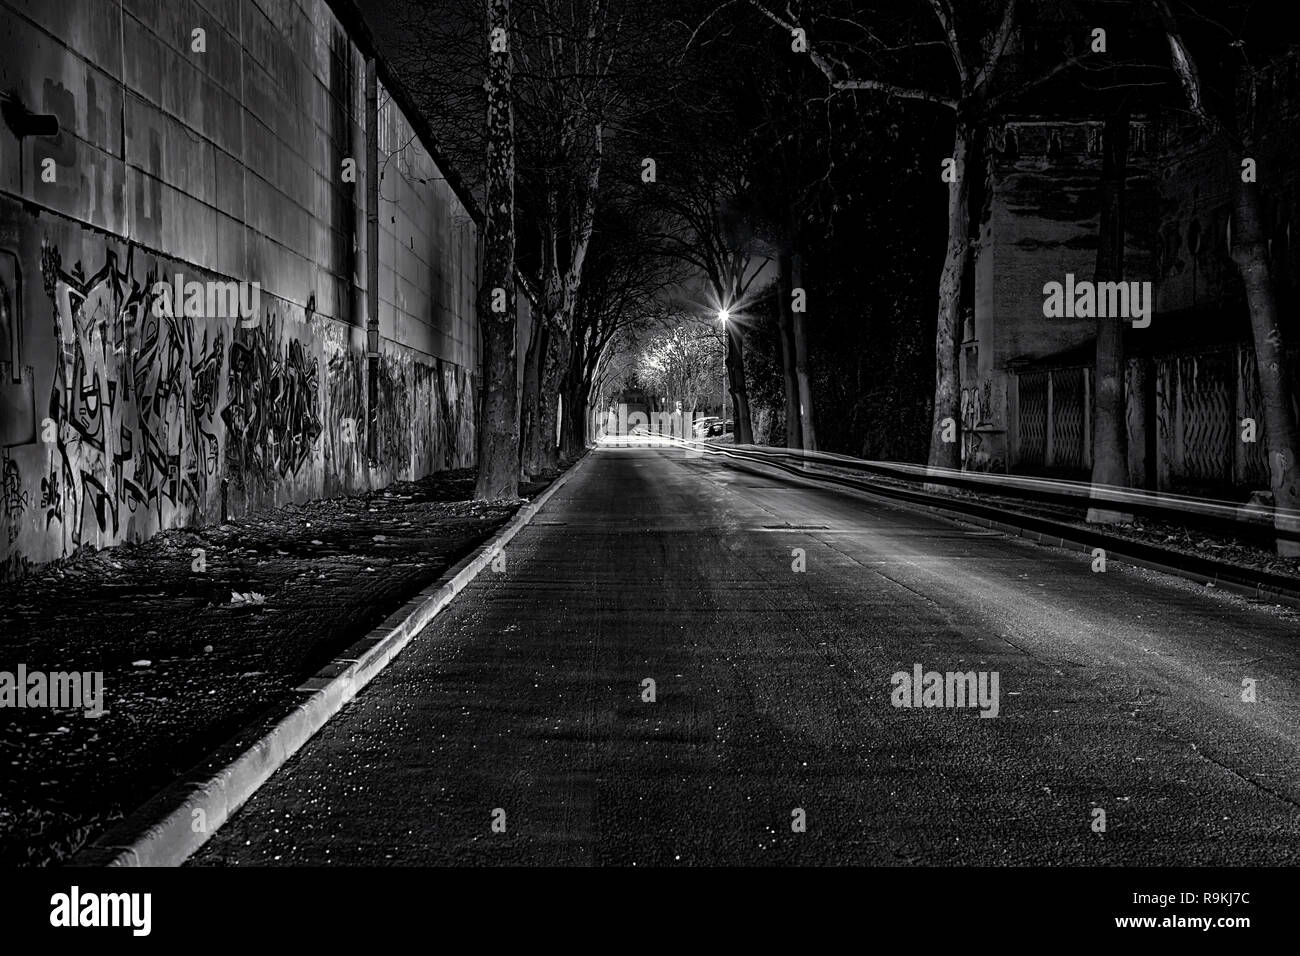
pixel 134 428
pixel 456 441
pixel 142 416
pixel 127 438
pixel 346 389
pixel 272 412
pixel 979 413
pixel 15 498
pixel 408 435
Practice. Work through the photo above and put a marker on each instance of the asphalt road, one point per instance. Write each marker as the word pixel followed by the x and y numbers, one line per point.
pixel 1119 691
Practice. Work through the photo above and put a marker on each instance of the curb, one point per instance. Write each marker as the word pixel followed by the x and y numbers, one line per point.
pixel 162 831
pixel 1066 537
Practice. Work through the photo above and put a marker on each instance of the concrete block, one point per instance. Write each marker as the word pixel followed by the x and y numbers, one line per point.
pixel 144 69
pixel 225 12
pixel 228 183
pixel 88 29
pixel 231 251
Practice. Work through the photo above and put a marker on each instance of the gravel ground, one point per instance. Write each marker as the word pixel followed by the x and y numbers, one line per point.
pixel 192 650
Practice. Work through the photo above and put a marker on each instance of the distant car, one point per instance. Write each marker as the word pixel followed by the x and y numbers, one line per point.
pixel 720 427
pixel 701 426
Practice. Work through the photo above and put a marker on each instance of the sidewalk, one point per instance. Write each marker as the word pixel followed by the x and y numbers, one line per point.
pixel 193 644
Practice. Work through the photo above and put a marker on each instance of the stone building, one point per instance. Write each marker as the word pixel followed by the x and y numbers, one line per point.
pixel 1027 378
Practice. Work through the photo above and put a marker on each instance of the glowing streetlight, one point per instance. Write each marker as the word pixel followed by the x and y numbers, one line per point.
pixel 723 315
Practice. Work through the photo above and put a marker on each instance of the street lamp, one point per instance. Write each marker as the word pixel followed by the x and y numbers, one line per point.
pixel 723 315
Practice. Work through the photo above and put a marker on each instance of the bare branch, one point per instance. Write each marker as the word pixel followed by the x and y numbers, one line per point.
pixel 997 102
pixel 827 66
pixel 691 39
pixel 946 21
pixel 1184 66
pixel 1000 40
pixel 893 89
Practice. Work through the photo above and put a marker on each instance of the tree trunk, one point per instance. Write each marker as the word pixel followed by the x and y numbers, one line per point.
pixel 576 415
pixel 573 429
pixel 530 462
pixel 554 366
pixel 744 432
pixel 1250 253
pixel 1109 421
pixel 793 433
pixel 798 331
pixel 947 336
pixel 498 434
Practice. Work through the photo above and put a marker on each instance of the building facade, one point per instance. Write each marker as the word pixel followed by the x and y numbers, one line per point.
pixel 1191 382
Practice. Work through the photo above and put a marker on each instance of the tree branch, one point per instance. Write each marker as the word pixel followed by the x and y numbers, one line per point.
pixel 893 89
pixel 1000 40
pixel 1184 66
pixel 946 21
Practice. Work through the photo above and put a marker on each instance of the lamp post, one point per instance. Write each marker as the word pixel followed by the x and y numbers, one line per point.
pixel 723 315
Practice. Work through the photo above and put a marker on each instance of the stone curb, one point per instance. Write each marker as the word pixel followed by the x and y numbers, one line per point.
pixel 162 832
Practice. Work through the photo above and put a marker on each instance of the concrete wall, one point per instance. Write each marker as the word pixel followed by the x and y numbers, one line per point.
pixel 427 248
pixel 121 411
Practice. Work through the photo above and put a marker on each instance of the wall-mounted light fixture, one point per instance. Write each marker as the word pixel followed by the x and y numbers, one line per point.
pixel 22 122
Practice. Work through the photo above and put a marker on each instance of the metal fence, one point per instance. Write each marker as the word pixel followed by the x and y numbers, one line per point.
pixel 1198 407
pixel 1202 402
pixel 1055 419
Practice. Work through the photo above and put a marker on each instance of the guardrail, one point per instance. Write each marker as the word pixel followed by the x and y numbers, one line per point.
pixel 1255 523
pixel 910 484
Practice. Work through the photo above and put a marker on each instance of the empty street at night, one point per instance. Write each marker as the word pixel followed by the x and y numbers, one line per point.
pixel 831 464
pixel 1119 691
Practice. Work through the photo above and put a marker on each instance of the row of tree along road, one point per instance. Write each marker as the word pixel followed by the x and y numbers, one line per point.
pixel 812 173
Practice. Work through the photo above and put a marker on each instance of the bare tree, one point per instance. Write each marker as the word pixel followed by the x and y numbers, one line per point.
pixel 627 280
pixel 1233 125
pixel 794 150
pixel 705 225
pixel 568 80
pixel 570 92
pixel 682 363
pixel 972 45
